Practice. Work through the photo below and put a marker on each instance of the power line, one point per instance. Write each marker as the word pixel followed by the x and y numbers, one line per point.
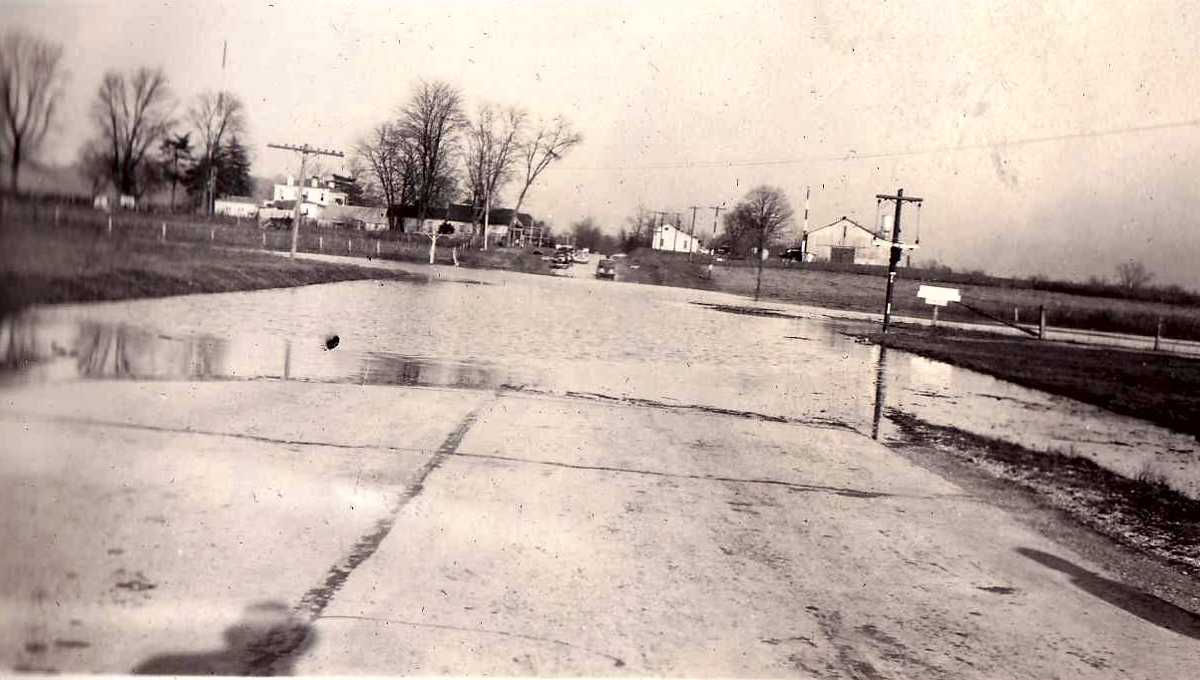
pixel 853 155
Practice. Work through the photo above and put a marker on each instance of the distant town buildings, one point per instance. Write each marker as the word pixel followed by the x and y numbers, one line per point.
pixel 461 218
pixel 316 195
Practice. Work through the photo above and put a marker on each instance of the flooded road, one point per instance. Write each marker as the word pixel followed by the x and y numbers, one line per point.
pixel 577 337
pixel 492 474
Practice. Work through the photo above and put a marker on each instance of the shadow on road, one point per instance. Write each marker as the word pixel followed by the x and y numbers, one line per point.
pixel 1142 605
pixel 266 641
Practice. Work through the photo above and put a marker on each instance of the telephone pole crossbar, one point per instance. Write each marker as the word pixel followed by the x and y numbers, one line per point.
pixel 897 247
pixel 305 151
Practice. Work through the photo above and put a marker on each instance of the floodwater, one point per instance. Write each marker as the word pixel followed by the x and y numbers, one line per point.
pixel 570 336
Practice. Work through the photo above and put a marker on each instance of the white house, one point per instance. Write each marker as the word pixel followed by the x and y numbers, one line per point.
pixel 315 192
pixel 236 206
pixel 670 238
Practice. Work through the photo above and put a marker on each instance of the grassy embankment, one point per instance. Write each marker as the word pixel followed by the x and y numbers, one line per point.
pixel 70 264
pixel 73 257
pixel 862 289
pixel 1157 387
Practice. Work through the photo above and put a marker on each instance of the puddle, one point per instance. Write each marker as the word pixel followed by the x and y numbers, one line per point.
pixel 38 353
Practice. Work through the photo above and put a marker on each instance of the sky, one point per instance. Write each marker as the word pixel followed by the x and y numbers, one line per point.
pixel 1056 138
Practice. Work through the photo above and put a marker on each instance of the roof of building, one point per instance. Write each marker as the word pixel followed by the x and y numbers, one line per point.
pixel 461 213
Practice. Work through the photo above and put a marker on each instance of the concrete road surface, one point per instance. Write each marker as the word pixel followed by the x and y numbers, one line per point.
pixel 286 527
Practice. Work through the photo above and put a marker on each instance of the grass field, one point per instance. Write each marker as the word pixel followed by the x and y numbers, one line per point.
pixel 73 264
pixel 1160 388
pixel 863 291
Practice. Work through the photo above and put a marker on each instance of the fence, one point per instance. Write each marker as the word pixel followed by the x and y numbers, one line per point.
pixel 145 227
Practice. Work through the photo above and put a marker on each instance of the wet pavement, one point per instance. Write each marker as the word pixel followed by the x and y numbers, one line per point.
pixel 530 475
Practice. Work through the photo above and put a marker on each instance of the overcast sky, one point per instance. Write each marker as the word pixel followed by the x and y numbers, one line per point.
pixel 694 103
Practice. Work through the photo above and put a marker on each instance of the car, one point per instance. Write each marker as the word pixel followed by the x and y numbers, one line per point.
pixel 606 269
pixel 793 254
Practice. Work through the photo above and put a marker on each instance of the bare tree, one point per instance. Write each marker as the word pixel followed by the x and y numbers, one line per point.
pixel 549 142
pixel 131 115
pixel 492 148
pixel 1133 275
pixel 759 217
pixel 381 153
pixel 429 124
pixel 215 116
pixel 31 79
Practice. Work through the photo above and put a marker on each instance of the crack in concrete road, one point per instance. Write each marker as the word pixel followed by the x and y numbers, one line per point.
pixel 618 662
pixel 313 602
pixel 793 486
pixel 95 422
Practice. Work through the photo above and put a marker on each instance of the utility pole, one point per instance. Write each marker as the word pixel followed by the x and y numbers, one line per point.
pixel 692 234
pixel 716 211
pixel 804 234
pixel 305 151
pixel 897 246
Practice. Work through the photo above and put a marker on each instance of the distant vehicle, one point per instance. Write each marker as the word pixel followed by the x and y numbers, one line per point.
pixel 722 251
pixel 618 256
pixel 793 254
pixel 582 256
pixel 562 260
pixel 607 269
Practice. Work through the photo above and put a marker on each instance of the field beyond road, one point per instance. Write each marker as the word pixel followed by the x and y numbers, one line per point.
pixel 39 266
pixel 1159 388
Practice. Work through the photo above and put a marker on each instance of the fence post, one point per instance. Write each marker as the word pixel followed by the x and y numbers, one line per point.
pixel 320 244
pixel 264 239
pixel 1042 322
pixel 56 214
pixel 110 225
pixel 935 312
pixel 376 248
pixel 163 238
pixel 347 246
pixel 1016 315
pixel 1158 335
pixel 212 234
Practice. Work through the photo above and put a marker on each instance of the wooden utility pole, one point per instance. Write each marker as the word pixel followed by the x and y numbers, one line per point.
pixel 897 247
pixel 716 211
pixel 692 234
pixel 305 151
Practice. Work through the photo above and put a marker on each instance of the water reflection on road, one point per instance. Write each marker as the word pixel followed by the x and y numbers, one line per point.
pixel 568 335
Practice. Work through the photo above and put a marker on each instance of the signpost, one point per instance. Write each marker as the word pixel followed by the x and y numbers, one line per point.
pixel 937 296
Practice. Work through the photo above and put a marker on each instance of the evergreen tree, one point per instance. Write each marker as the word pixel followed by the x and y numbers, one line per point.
pixel 232 163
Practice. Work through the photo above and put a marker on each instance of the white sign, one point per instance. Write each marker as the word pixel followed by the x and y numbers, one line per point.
pixel 935 295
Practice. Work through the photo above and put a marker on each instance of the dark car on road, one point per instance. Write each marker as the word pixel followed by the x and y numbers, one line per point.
pixel 607 269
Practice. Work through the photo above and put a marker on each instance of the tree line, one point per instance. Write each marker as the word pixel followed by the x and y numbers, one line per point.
pixel 144 138
pixel 433 152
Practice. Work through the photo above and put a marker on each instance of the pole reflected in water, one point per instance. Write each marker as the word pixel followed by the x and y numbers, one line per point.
pixel 880 391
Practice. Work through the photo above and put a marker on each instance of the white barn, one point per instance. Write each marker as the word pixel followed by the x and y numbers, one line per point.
pixel 670 238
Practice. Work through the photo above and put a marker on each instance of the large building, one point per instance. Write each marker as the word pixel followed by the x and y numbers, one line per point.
pixel 461 218
pixel 844 241
pixel 317 195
